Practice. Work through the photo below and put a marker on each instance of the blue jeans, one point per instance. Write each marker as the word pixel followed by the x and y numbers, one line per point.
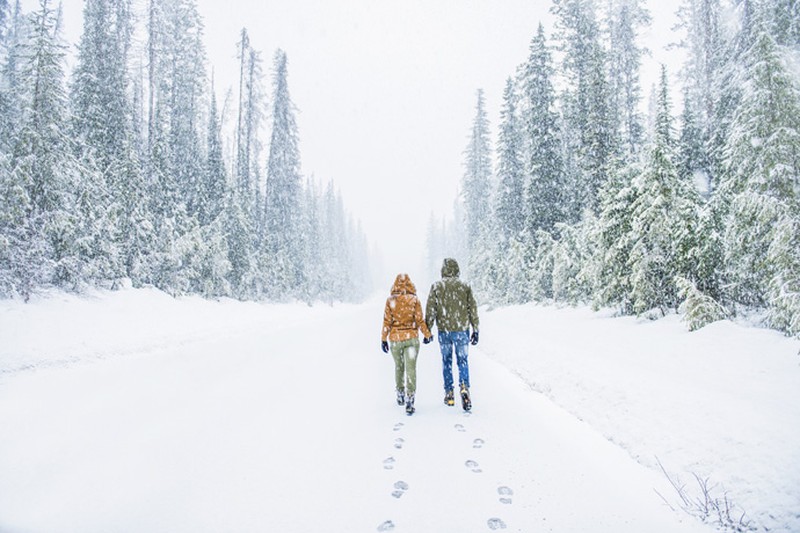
pixel 447 340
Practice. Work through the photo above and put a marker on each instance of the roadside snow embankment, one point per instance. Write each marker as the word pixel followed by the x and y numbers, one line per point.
pixel 58 328
pixel 720 403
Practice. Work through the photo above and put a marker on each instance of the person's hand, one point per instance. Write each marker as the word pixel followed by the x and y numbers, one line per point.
pixel 427 340
pixel 385 346
pixel 474 338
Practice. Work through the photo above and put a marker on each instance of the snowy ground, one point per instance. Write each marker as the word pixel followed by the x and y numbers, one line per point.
pixel 133 411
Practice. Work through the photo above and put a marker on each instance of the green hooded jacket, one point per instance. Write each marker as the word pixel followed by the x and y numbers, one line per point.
pixel 451 305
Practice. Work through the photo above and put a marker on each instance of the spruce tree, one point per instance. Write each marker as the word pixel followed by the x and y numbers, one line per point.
pixel 762 165
pixel 664 222
pixel 283 190
pixel 510 198
pixel 44 173
pixel 11 92
pixel 545 195
pixel 476 191
pixel 587 106
pixel 626 18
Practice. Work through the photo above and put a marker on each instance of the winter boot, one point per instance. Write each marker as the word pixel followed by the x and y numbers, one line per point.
pixel 466 403
pixel 410 405
pixel 401 397
pixel 449 398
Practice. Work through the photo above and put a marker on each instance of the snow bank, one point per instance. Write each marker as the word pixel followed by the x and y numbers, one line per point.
pixel 721 402
pixel 58 328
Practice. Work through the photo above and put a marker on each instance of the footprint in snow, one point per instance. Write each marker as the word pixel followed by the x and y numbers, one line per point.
pixel 398 442
pixel 473 465
pixel 460 428
pixel 398 426
pixel 495 523
pixel 478 443
pixel 386 526
pixel 388 463
pixel 505 494
pixel 400 488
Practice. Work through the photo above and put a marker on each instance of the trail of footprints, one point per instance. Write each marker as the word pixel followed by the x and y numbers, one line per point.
pixel 401 487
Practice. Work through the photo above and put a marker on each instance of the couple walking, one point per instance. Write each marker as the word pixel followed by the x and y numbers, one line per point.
pixel 451 306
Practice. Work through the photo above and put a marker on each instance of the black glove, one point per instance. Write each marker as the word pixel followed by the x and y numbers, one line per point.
pixel 385 346
pixel 427 340
pixel 474 339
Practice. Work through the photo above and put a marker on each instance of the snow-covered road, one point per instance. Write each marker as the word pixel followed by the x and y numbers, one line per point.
pixel 287 423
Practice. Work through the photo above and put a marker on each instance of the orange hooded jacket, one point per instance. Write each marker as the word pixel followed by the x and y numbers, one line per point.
pixel 402 316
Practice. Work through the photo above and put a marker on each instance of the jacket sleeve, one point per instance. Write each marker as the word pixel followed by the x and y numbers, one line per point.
pixel 387 321
pixel 426 331
pixel 430 308
pixel 472 307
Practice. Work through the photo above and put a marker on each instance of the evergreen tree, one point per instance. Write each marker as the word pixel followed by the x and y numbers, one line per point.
pixel 213 186
pixel 5 15
pixel 510 199
pixel 762 165
pixel 312 252
pixel 545 194
pixel 626 17
pixel 44 178
pixel 11 92
pixel 587 106
pixel 615 239
pixel 175 155
pixel 785 21
pixel 692 157
pixel 707 91
pixel 664 220
pixel 477 190
pixel 103 124
pixel 283 191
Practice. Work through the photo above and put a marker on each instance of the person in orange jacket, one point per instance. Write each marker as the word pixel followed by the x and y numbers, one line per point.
pixel 402 319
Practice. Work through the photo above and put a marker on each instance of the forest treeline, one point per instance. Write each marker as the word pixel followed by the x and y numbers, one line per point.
pixel 585 198
pixel 119 170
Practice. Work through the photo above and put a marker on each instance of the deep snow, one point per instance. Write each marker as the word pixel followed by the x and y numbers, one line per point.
pixel 134 411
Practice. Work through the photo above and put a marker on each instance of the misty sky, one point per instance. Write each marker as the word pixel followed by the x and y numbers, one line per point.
pixel 386 91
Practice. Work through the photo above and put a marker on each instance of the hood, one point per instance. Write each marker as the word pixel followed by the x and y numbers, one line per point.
pixel 450 268
pixel 403 285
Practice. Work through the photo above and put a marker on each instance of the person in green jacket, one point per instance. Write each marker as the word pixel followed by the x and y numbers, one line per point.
pixel 451 306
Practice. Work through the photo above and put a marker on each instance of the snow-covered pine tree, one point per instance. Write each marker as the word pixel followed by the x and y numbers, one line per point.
pixel 614 239
pixel 692 159
pixel 213 263
pixel 214 182
pixel 312 251
pixel 545 193
pixel 762 165
pixel 586 100
pixel 45 177
pixel 11 94
pixel 784 17
pixel 175 129
pixel 476 192
pixel 625 19
pixel 242 255
pixel 698 309
pixel 700 19
pixel 5 16
pixel 664 224
pixel 283 191
pixel 248 124
pixel 334 245
pixel 510 198
pixel 572 254
pixel 103 125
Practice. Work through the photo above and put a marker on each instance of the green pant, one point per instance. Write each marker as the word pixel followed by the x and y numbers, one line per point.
pixel 405 364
